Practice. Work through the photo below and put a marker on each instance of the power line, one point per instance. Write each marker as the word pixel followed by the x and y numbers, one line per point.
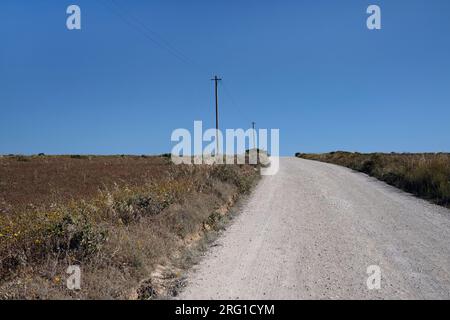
pixel 228 93
pixel 135 23
pixel 156 35
pixel 138 25
pixel 112 7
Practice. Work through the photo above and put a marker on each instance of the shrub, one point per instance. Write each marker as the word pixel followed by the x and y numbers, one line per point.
pixel 120 234
pixel 76 235
pixel 231 174
pixel 22 158
pixel 134 207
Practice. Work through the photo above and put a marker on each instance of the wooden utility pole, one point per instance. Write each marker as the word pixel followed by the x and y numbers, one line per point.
pixel 216 81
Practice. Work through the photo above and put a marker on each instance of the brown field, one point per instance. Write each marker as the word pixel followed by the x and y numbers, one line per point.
pixel 42 181
pixel 132 223
pixel 426 175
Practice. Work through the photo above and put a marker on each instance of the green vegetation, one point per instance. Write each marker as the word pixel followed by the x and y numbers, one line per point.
pixel 426 175
pixel 142 214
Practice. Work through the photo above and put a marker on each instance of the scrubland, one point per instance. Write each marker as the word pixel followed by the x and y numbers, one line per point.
pixel 132 223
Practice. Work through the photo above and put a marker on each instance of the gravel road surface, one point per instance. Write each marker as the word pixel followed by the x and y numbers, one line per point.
pixel 311 232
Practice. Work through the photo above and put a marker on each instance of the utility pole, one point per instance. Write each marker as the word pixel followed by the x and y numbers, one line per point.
pixel 254 133
pixel 216 81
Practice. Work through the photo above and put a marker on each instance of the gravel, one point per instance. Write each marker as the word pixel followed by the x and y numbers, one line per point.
pixel 311 232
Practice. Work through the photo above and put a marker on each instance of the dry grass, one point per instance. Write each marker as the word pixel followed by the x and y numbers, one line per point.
pixel 119 218
pixel 426 175
pixel 27 182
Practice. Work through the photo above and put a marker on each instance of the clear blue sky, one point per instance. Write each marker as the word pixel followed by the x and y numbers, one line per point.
pixel 310 68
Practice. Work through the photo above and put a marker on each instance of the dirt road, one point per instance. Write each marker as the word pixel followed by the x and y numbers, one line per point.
pixel 311 232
